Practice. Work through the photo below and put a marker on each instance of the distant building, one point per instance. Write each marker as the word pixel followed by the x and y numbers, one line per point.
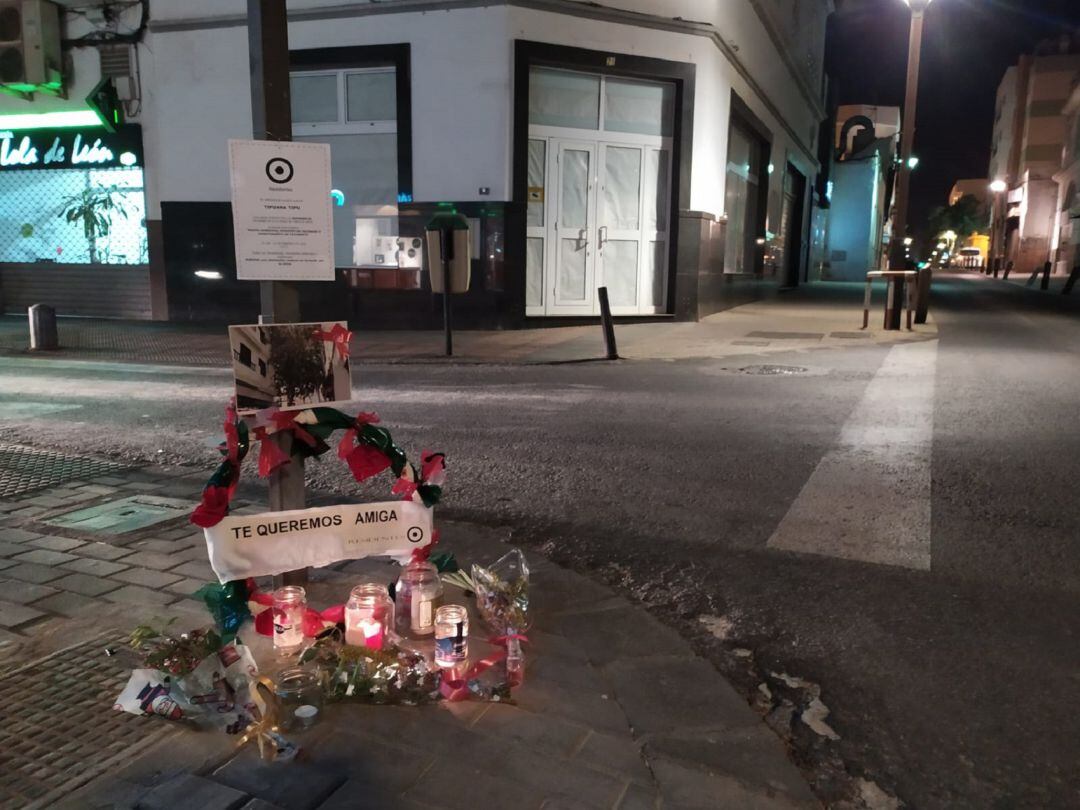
pixel 1067 232
pixel 861 177
pixel 1026 151
pixel 979 188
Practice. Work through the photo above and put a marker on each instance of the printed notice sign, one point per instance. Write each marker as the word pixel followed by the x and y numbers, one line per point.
pixel 282 211
pixel 242 546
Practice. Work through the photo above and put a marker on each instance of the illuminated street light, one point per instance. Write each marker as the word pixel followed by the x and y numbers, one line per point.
pixel 999 187
pixel 940 245
pixel 913 163
pixel 908 240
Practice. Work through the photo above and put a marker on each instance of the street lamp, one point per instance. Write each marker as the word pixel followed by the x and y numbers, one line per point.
pixel 907 143
pixel 999 187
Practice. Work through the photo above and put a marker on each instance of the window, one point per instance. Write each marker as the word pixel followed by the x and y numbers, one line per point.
pixel 355 112
pixel 743 198
pixel 42 216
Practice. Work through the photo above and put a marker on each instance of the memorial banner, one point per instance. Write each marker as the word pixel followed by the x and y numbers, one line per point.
pixel 242 546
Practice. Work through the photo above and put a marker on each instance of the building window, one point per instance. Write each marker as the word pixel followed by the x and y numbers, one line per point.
pixel 744 195
pixel 355 112
pixel 73 216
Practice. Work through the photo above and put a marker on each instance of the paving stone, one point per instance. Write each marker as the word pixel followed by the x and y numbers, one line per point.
pixel 144 486
pixel 85 584
pixel 598 711
pixel 639 798
pixel 103 551
pixel 7 564
pixel 196 570
pixel 48 501
pixel 259 804
pixel 664 694
pixel 68 604
pixel 106 485
pixel 13 616
pixel 754 755
pixel 11 549
pixel 144 576
pixel 14 590
pixel 191 792
pixel 137 595
pixel 300 786
pixel 151 559
pixel 101 568
pixel 54 543
pixel 160 546
pixel 187 587
pixel 454 785
pixel 28 572
pixel 13 535
pixel 608 635
pixel 688 788
pixel 541 731
pixel 42 556
pixel 27 511
pixel 377 777
pixel 553 777
pixel 621 755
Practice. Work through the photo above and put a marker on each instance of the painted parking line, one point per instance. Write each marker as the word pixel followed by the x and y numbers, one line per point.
pixel 869 497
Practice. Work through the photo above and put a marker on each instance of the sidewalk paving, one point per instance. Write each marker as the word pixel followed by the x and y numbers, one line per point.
pixel 819 315
pixel 616 711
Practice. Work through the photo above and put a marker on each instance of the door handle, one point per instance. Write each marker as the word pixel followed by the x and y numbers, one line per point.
pixel 601 237
pixel 583 237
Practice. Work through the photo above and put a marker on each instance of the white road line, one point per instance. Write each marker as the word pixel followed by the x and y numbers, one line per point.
pixel 869 497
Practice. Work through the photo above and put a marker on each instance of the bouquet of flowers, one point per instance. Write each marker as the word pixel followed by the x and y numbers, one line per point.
pixel 502 600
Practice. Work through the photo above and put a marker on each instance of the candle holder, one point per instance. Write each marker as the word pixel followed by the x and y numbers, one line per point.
pixel 299 694
pixel 290 604
pixel 417 595
pixel 369 615
pixel 451 636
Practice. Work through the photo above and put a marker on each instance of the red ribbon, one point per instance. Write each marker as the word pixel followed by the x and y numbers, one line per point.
pixel 286 420
pixel 213 507
pixel 270 456
pixel 455 689
pixel 405 488
pixel 338 335
pixel 313 623
pixel 366 462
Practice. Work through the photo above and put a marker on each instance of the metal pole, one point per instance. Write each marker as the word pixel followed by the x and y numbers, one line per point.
pixel 446 248
pixel 609 327
pixel 907 144
pixel 271 120
pixel 1045 285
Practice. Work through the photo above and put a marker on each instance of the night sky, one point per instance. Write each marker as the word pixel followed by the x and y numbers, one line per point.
pixel 967 45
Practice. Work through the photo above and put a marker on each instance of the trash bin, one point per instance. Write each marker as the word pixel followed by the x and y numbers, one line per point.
pixel 43 335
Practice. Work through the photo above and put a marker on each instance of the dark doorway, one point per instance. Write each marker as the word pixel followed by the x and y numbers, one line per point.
pixel 791 224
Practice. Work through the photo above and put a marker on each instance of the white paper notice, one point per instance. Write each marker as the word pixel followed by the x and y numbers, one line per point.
pixel 282 211
pixel 243 546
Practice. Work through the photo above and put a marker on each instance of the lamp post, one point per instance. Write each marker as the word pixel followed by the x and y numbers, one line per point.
pixel 907 143
pixel 998 189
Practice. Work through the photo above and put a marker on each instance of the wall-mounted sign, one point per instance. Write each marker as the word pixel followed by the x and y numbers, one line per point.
pixel 242 546
pixel 76 148
pixel 282 212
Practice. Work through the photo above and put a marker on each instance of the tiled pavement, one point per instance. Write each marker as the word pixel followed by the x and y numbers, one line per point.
pixel 616 711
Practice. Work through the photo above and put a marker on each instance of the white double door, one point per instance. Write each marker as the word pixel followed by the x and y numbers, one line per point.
pixel 607 226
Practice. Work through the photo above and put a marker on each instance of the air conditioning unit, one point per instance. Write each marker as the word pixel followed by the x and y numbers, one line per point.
pixel 30 57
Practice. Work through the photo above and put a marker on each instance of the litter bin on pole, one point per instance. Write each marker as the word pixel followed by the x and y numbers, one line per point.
pixel 449 262
pixel 922 294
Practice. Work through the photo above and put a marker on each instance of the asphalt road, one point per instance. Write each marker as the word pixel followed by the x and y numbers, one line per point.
pixel 890 532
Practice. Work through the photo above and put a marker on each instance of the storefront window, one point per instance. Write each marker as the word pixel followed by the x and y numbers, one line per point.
pixel 72 197
pixel 742 201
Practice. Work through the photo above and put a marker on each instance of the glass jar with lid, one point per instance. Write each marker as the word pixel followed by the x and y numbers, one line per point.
pixel 290 604
pixel 451 636
pixel 299 694
pixel 369 616
pixel 417 594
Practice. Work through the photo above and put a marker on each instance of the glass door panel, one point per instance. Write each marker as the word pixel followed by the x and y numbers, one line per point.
pixel 574 288
pixel 619 234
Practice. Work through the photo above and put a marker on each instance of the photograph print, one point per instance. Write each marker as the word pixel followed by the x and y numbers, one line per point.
pixel 290 365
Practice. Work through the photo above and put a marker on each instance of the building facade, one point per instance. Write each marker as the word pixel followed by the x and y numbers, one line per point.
pixel 1067 230
pixel 665 150
pixel 1026 152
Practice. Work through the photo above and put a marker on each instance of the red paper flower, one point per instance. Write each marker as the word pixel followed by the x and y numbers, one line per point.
pixel 405 488
pixel 347 443
pixel 366 461
pixel 432 468
pixel 214 506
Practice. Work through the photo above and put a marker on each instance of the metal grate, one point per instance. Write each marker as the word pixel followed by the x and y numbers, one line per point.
pixel 773 371
pixel 124 515
pixel 59 729
pixel 24 469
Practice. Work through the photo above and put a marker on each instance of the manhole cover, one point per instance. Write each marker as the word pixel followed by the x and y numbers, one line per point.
pixel 125 515
pixel 773 370
pixel 59 728
pixel 24 469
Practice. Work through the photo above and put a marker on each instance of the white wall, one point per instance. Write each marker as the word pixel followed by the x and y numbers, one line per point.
pixel 198 94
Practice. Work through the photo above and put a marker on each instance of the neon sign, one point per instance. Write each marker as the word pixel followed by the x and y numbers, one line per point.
pixel 70 148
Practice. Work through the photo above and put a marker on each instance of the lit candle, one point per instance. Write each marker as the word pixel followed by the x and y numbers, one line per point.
pixel 373 633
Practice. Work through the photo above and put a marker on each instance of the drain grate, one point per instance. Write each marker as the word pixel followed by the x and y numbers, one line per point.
pixel 59 729
pixel 24 469
pixel 124 515
pixel 773 370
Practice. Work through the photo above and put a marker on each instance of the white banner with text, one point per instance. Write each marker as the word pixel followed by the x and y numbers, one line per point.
pixel 242 546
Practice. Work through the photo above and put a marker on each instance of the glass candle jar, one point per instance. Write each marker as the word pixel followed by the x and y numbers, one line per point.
pixel 299 697
pixel 451 636
pixel 290 603
pixel 369 615
pixel 417 594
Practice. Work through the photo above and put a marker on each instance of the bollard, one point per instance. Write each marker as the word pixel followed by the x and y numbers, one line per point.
pixel 922 294
pixel 1046 276
pixel 1008 269
pixel 43 335
pixel 609 327
pixel 1073 277
pixel 997 267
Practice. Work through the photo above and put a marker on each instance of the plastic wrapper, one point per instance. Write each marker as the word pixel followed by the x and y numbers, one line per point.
pixel 217 693
pixel 502 593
